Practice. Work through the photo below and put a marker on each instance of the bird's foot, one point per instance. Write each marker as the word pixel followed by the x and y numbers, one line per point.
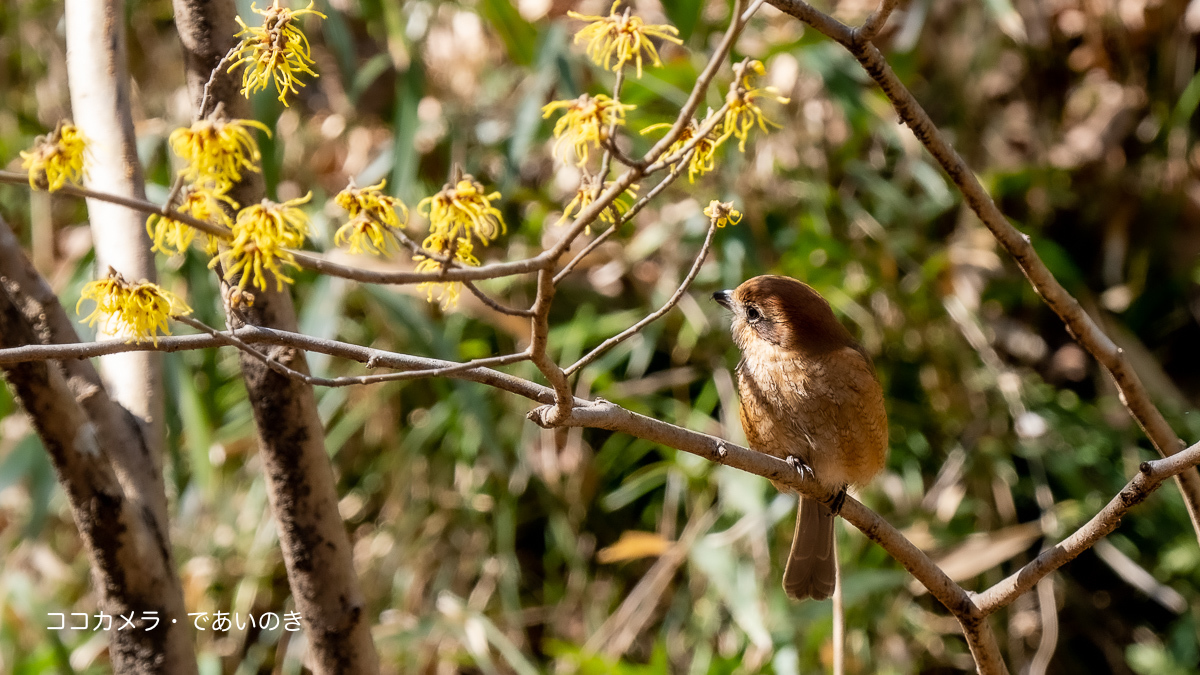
pixel 839 500
pixel 800 466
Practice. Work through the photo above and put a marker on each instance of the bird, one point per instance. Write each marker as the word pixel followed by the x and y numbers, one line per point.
pixel 810 396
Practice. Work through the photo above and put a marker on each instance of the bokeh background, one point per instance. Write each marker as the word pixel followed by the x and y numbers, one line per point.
pixel 487 545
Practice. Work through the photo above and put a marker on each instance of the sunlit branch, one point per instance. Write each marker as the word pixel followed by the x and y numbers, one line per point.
pixel 1150 476
pixel 202 109
pixel 414 366
pixel 349 380
pixel 649 163
pixel 702 81
pixel 135 204
pixel 539 339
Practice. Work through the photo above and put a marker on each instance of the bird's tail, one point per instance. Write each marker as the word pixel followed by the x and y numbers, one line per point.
pixel 811 567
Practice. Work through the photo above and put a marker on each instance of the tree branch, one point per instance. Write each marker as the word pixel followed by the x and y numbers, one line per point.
pixel 602 414
pixel 291 439
pixel 539 337
pixel 271 362
pixel 676 171
pixel 130 560
pixel 1150 476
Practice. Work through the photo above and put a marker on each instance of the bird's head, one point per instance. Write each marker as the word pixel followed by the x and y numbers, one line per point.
pixel 782 313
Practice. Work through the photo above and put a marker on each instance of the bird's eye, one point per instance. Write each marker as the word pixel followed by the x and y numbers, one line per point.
pixel 752 314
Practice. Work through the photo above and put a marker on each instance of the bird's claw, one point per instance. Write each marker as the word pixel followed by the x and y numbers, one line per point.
pixel 800 466
pixel 839 500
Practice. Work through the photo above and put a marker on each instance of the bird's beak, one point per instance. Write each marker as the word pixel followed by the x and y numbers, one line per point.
pixel 724 299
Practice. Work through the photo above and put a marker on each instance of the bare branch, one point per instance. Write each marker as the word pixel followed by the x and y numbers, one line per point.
pixel 485 299
pixel 649 163
pixel 539 336
pixel 202 109
pixel 131 202
pixel 313 261
pixel 444 371
pixel 710 123
pixel 701 88
pixel 1150 476
pixel 637 327
pixel 129 560
pixel 420 367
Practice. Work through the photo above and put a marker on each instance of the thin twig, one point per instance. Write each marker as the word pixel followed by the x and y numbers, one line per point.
pixel 309 260
pixel 588 214
pixel 201 110
pixel 1150 476
pixel 350 380
pixel 700 89
pixel 637 327
pixel 176 187
pixel 485 299
pixel 702 133
pixel 609 144
pixel 135 204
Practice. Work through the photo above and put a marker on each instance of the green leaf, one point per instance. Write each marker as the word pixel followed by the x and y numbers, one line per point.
pixel 639 483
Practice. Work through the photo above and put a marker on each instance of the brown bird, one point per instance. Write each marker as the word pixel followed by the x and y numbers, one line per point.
pixel 809 396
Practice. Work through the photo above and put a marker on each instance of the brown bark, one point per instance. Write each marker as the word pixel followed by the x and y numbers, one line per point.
pixel 130 559
pixel 291 438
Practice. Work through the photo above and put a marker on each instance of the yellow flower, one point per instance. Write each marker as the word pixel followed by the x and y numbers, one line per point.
pixel 623 36
pixel 586 195
pixel 373 215
pixel 217 150
pixel 172 237
pixel 447 292
pixel 703 160
pixel 464 211
pixel 722 213
pixel 56 158
pixel 457 216
pixel 277 51
pixel 743 112
pixel 137 311
pixel 261 236
pixel 586 120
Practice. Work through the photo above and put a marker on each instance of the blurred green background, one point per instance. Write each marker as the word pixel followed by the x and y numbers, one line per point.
pixel 487 545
